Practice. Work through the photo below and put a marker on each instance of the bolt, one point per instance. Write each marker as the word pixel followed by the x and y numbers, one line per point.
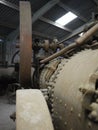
pixel 49 88
pixel 89 124
pixel 65 105
pixel 60 68
pixel 56 98
pixel 56 112
pixel 52 95
pixel 52 105
pixel 52 87
pixel 79 116
pixel 54 81
pixel 65 123
pixel 93 115
pixel 60 101
pixel 55 77
pixel 52 110
pixel 71 110
pixel 60 118
pixel 52 100
pixel 57 72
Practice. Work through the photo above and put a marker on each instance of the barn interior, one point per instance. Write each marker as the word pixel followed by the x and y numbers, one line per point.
pixel 34 46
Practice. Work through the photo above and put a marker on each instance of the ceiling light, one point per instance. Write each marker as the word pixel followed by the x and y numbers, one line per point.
pixel 65 19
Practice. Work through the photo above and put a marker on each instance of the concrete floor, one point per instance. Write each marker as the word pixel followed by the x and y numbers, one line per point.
pixel 5 111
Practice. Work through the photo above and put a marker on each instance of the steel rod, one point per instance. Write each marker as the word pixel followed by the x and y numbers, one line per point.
pixel 78 42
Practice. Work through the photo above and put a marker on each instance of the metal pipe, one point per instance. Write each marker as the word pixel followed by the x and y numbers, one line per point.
pixel 87 35
pixel 78 42
pixel 13 57
pixel 7 75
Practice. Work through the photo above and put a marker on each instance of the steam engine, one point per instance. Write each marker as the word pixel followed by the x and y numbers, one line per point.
pixel 73 90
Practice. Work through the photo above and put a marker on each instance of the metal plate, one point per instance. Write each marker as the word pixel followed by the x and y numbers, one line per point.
pixel 68 111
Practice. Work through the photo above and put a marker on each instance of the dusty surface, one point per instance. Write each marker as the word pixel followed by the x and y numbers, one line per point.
pixel 69 111
pixel 5 110
pixel 31 111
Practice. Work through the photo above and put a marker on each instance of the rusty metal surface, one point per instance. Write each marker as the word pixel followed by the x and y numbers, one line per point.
pixel 47 72
pixel 25 44
pixel 78 42
pixel 69 88
pixel 71 75
pixel 61 52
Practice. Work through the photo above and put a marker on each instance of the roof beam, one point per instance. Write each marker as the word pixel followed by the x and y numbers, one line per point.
pixel 36 16
pixel 65 7
pixel 44 9
pixel 5 24
pixel 54 24
pixel 9 4
pixel 42 35
pixel 33 32
pixel 12 36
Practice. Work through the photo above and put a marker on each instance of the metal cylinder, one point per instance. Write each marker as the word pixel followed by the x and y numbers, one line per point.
pixel 73 87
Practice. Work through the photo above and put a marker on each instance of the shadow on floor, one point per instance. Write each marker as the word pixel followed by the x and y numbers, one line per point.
pixel 5 111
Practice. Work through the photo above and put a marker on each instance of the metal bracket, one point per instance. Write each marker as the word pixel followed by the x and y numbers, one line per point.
pixel 90 98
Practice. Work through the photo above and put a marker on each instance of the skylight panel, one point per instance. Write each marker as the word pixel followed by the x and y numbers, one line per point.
pixel 67 18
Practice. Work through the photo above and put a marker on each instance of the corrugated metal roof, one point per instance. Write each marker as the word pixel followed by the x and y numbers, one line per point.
pixel 55 13
pixel 84 7
pixel 9 15
pixel 9 18
pixel 56 32
pixel 37 4
pixel 14 1
pixel 75 24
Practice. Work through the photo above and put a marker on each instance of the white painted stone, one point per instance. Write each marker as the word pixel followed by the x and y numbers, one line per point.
pixel 31 111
